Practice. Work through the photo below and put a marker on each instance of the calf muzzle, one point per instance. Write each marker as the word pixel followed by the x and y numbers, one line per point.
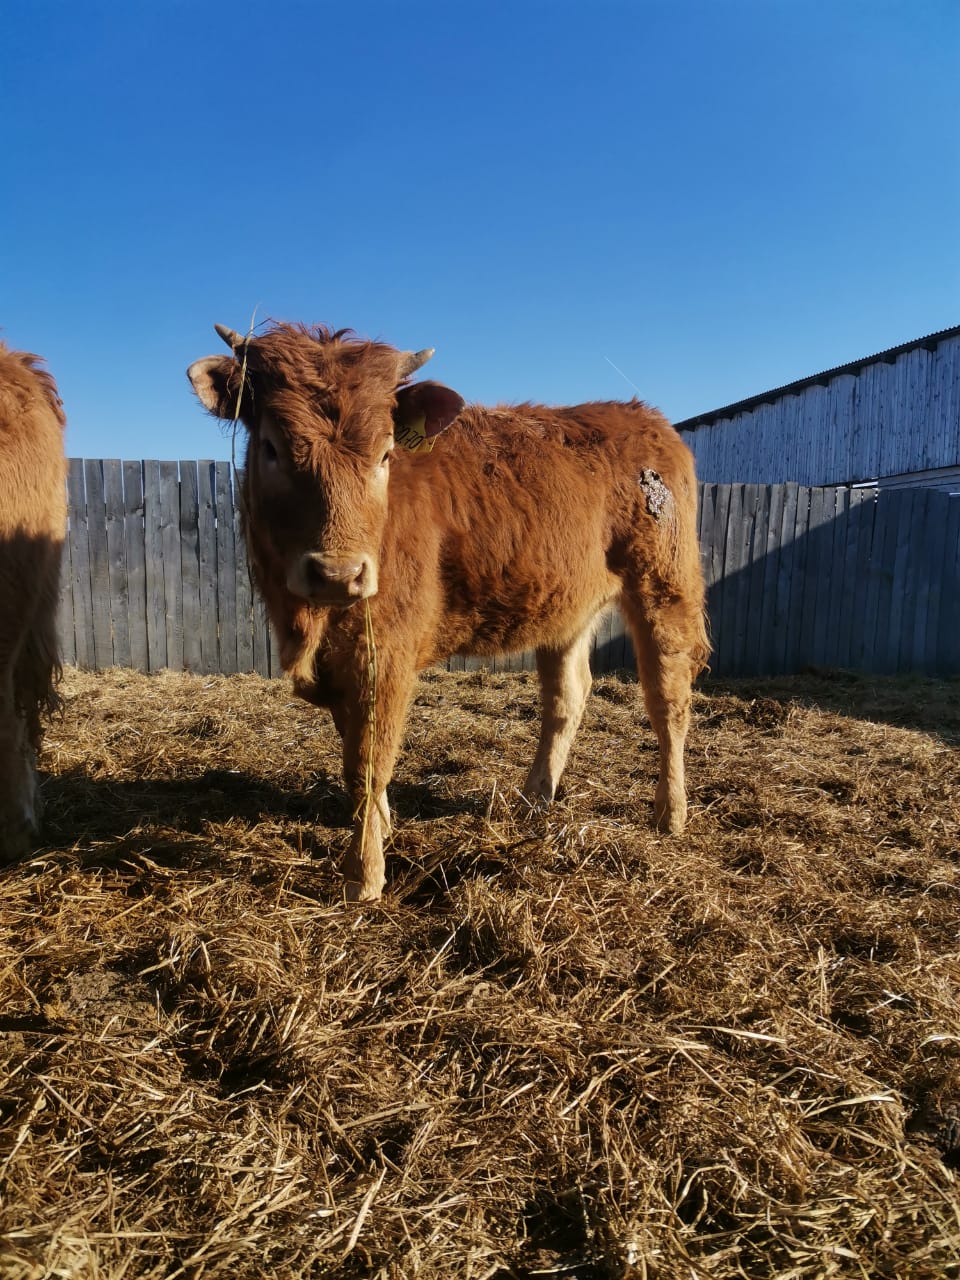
pixel 333 580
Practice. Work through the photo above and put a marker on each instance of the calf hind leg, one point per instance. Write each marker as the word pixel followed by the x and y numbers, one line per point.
pixel 669 643
pixel 564 685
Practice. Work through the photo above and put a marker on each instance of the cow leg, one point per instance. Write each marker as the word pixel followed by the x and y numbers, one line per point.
pixel 668 643
pixel 18 785
pixel 341 720
pixel 28 667
pixel 368 760
pixel 564 685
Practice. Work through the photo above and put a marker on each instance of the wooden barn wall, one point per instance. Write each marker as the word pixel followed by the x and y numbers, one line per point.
pixel 155 575
pixel 887 420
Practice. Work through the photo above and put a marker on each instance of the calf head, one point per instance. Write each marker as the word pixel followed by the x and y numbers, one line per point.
pixel 322 412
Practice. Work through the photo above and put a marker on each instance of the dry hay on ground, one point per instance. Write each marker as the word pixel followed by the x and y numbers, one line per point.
pixel 564 1046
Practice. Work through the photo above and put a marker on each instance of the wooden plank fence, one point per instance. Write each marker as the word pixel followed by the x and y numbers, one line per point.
pixel 156 575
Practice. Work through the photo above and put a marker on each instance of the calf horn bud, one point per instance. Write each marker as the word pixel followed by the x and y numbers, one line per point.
pixel 230 336
pixel 411 361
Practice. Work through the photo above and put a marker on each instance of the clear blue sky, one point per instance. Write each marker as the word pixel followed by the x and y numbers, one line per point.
pixel 718 196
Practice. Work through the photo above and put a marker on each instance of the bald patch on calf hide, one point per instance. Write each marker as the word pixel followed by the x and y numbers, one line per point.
pixel 659 498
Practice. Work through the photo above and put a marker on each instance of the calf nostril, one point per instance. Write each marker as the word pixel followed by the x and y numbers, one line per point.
pixel 316 573
pixel 321 571
pixel 357 586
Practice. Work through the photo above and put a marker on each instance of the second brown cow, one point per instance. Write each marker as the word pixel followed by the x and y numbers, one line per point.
pixel 33 517
pixel 515 532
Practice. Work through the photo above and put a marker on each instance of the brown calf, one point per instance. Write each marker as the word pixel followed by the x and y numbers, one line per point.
pixel 515 532
pixel 33 517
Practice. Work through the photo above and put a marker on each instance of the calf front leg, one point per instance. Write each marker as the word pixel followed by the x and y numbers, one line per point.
pixel 341 719
pixel 370 746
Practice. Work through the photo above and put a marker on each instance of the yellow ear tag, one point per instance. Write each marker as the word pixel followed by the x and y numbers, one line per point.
pixel 412 435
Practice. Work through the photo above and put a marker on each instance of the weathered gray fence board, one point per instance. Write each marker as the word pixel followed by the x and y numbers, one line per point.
pixel 604 640
pixel 866 535
pixel 872 586
pixel 892 582
pixel 226 572
pixel 155 574
pixel 845 553
pixel 734 558
pixel 261 638
pixel 116 561
pixel 798 566
pixel 745 633
pixel 948 626
pixel 817 564
pixel 153 568
pixel 744 581
pixel 706 525
pixel 170 555
pixel 80 565
pixel 770 563
pixel 207 549
pixel 923 643
pixel 618 653
pixel 134 549
pixel 759 602
pixel 244 592
pixel 65 619
pixel 190 565
pixel 706 511
pixel 829 580
pixel 718 547
pixel 99 562
pixel 936 558
pixel 785 559
pixel 916 588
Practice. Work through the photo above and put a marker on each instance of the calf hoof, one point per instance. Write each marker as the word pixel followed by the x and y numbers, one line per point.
pixel 17 838
pixel 354 891
pixel 538 790
pixel 538 794
pixel 670 818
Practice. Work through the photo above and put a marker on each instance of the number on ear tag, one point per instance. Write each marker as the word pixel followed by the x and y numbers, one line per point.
pixel 412 435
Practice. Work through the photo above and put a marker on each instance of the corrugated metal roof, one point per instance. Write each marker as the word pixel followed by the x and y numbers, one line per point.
pixel 930 342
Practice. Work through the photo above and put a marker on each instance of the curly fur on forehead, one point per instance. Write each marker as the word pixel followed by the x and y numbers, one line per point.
pixel 314 358
pixel 315 379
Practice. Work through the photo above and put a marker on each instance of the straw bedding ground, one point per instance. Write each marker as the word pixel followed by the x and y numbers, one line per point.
pixel 562 1046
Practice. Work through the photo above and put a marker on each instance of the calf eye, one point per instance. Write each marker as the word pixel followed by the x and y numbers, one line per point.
pixel 267 450
pixel 386 458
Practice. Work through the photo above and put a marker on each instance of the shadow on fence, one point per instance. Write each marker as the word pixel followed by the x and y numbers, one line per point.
pixel 847 578
pixel 155 575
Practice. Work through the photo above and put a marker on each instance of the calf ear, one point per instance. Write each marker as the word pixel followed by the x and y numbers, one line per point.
pixel 215 380
pixel 437 405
